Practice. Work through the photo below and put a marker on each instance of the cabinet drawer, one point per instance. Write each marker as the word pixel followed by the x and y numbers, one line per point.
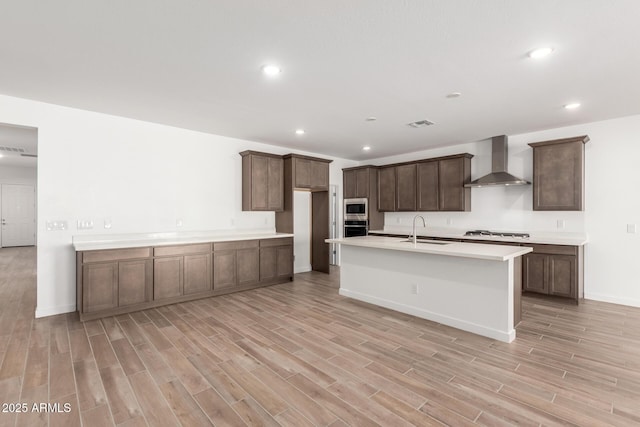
pixel 115 254
pixel 554 249
pixel 284 241
pixel 182 249
pixel 241 244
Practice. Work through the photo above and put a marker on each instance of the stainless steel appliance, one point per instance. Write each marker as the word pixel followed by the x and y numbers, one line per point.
pixel 356 217
pixel 496 234
pixel 356 209
pixel 355 228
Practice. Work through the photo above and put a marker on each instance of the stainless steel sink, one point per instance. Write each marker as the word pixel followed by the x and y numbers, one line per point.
pixel 426 242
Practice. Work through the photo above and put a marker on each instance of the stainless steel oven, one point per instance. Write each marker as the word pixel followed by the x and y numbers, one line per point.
pixel 356 209
pixel 355 228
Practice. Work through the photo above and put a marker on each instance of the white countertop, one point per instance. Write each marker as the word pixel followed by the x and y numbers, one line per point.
pixel 548 238
pixel 138 240
pixel 455 249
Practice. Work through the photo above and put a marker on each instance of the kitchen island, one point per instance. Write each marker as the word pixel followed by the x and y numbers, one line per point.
pixel 473 287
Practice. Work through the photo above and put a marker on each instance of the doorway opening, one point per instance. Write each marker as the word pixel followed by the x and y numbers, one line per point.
pixel 18 185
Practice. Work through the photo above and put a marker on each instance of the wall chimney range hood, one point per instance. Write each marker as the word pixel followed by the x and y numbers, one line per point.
pixel 499 161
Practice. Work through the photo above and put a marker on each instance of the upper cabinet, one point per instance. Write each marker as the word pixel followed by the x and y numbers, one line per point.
pixel 426 185
pixel 558 174
pixel 387 189
pixel 310 172
pixel 357 181
pixel 262 181
pixel 453 173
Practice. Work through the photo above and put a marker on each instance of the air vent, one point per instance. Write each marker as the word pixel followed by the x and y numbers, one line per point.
pixel 421 123
pixel 11 149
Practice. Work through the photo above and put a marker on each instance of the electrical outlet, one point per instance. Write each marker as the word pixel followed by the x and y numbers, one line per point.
pixel 560 224
pixel 414 288
pixel 449 221
pixel 397 220
pixel 178 222
pixel 107 223
pixel 632 228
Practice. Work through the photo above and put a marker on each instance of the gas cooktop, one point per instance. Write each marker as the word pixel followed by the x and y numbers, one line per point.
pixel 496 234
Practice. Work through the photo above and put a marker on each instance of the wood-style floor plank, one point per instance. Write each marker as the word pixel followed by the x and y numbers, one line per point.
pixel 299 354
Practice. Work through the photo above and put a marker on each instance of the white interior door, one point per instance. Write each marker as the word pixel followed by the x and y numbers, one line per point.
pixel 301 231
pixel 18 215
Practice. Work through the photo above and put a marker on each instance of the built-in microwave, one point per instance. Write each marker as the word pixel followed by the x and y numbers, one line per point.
pixel 356 209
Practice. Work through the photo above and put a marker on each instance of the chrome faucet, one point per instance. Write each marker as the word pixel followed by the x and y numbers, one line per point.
pixel 424 224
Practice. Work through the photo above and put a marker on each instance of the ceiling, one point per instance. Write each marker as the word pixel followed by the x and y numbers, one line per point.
pixel 197 65
pixel 21 137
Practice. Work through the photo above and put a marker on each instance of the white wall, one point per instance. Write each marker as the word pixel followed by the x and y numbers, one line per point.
pixel 17 175
pixel 612 201
pixel 142 176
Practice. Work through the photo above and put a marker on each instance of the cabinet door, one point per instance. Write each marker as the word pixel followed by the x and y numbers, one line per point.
pixel 387 189
pixel 362 183
pixel 275 188
pixel 428 186
pixel 284 261
pixel 303 173
pixel 259 182
pixel 135 282
pixel 319 175
pixel 197 273
pixel 534 273
pixel 167 273
pixel 451 184
pixel 267 263
pixel 350 184
pixel 558 176
pixel 248 266
pixel 224 269
pixel 406 187
pixel 99 286
pixel 562 275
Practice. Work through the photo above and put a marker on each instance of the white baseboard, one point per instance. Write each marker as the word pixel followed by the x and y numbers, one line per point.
pixel 612 299
pixel 302 269
pixel 425 314
pixel 52 311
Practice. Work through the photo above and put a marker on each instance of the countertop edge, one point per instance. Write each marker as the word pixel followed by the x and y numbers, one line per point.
pixel 123 244
pixel 535 240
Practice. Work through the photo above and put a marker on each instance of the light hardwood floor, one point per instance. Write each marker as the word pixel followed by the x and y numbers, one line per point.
pixel 299 354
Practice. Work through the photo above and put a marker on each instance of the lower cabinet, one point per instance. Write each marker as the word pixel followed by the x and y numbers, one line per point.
pixel 276 259
pixel 554 270
pixel 117 281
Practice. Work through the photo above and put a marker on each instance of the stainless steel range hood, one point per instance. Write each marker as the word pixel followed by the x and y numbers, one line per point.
pixel 499 161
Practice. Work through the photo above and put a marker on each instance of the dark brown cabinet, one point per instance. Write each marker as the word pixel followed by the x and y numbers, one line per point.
pixel 406 187
pixel 453 174
pixel 101 293
pixel 181 270
pixel 554 270
pixel 262 181
pixel 116 281
pixel 310 172
pixel 276 259
pixel 357 182
pixel 387 189
pixel 428 186
pixel 236 264
pixel 558 174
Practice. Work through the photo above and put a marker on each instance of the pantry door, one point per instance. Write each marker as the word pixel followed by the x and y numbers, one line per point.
pixel 18 215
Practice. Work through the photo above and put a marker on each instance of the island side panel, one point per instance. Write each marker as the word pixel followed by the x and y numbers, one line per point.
pixel 474 295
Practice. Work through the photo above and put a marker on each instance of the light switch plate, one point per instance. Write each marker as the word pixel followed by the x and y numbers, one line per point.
pixel 107 223
pixel 632 228
pixel 178 222
pixel 58 225
pixel 86 224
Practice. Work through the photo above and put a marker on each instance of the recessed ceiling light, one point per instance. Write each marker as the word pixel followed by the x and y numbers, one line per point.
pixel 454 95
pixel 572 106
pixel 300 132
pixel 540 52
pixel 366 148
pixel 271 70
pixel 370 119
